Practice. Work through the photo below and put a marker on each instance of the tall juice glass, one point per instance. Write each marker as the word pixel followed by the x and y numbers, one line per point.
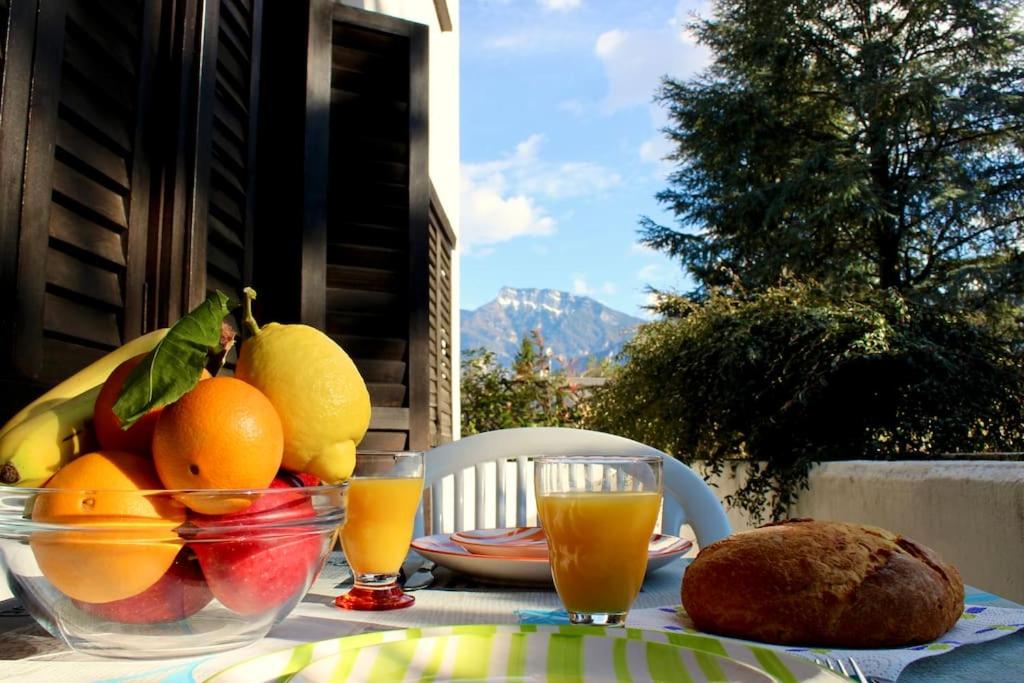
pixel 598 514
pixel 383 496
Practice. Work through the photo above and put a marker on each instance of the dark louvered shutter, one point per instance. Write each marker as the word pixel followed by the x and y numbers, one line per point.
pixel 4 16
pixel 83 226
pixel 231 195
pixel 441 241
pixel 227 137
pixel 376 235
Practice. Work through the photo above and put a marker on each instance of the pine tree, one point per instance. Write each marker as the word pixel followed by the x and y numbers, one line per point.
pixel 874 143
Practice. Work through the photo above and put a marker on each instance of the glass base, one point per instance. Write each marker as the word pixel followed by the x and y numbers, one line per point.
pixel 613 620
pixel 374 599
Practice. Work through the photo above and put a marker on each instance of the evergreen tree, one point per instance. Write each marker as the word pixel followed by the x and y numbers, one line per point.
pixel 872 142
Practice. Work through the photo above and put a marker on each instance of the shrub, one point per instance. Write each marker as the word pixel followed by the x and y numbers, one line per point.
pixel 796 374
pixel 529 394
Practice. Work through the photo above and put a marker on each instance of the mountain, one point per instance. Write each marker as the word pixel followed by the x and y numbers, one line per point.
pixel 573 327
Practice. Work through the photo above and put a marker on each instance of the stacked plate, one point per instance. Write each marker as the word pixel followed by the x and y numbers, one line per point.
pixel 518 555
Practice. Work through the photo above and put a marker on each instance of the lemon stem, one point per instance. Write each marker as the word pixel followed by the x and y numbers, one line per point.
pixel 247 319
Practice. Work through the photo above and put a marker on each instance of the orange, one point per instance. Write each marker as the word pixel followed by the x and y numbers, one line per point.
pixel 128 540
pixel 139 436
pixel 224 434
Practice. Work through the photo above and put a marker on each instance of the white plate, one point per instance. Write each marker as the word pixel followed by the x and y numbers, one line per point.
pixel 523 541
pixel 441 550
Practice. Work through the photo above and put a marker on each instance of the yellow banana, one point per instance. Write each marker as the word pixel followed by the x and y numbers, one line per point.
pixel 86 378
pixel 33 450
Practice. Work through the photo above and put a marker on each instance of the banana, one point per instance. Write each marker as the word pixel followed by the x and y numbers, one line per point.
pixel 33 450
pixel 86 378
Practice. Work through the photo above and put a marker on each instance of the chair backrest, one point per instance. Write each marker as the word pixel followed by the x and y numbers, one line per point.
pixel 493 458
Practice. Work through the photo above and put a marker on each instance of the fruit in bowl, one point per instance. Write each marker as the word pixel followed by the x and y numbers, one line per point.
pixel 260 556
pixel 178 594
pixel 190 524
pixel 183 611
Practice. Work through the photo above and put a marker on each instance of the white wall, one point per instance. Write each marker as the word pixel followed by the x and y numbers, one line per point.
pixel 970 512
pixel 443 137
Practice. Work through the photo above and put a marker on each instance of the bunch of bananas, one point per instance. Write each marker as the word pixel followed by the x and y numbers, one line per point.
pixel 57 426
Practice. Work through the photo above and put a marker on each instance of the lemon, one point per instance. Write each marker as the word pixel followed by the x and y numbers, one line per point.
pixel 317 391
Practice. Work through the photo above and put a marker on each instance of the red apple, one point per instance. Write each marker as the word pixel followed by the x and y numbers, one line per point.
pixel 251 568
pixel 180 593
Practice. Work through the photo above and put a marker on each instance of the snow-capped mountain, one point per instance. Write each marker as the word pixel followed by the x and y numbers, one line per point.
pixel 573 327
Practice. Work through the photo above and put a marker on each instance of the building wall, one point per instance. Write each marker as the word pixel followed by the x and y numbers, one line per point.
pixel 444 134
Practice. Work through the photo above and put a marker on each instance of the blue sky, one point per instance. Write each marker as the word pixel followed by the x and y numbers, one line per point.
pixel 561 149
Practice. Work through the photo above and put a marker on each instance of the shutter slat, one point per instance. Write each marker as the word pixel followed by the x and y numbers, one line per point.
pixel 92 28
pixel 97 71
pixel 67 272
pixel 226 263
pixel 89 194
pixel 218 231
pixel 72 319
pixel 99 157
pixel 77 231
pixel 87 111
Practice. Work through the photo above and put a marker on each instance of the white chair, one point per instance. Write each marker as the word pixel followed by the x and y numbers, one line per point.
pixel 688 499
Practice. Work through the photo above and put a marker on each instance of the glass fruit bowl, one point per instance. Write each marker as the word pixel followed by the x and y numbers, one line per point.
pixel 157 580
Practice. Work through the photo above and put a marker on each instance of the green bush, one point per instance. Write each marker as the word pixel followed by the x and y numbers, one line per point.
pixel 795 374
pixel 527 395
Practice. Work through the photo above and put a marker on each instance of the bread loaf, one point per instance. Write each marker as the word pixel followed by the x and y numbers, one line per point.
pixel 803 582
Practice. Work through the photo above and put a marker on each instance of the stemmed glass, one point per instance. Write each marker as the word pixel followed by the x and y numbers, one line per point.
pixel 598 514
pixel 383 496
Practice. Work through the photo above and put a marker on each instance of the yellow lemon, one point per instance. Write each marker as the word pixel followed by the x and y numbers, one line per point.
pixel 317 391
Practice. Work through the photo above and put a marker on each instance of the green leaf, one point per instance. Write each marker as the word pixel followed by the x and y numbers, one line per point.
pixel 174 365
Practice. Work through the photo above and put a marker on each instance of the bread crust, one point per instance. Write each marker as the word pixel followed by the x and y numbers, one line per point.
pixel 804 582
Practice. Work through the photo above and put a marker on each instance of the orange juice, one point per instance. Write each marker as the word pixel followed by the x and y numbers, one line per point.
pixel 378 527
pixel 598 546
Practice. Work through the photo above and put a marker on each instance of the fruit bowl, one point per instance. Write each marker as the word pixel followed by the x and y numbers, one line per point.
pixel 175 584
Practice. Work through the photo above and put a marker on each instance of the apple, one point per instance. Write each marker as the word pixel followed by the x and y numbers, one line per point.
pixel 180 593
pixel 251 570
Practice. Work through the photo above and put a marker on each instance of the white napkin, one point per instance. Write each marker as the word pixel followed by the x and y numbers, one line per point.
pixel 978 624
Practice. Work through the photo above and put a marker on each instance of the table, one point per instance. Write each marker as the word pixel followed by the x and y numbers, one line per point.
pixel 29 654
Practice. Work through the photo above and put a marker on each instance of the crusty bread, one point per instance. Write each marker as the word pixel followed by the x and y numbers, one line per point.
pixel 802 582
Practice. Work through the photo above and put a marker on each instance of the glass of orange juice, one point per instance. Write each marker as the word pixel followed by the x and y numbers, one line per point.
pixel 598 514
pixel 383 495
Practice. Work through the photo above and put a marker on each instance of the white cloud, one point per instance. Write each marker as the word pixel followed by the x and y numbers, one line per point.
pixel 638 248
pixel 501 198
pixel 489 217
pixel 635 60
pixel 575 107
pixel 655 149
pixel 581 286
pixel 560 5
pixel 652 271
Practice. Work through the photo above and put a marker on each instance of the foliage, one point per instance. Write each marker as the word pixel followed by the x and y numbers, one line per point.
pixel 801 373
pixel 855 141
pixel 530 394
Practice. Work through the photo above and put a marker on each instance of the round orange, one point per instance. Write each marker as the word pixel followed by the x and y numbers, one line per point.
pixel 127 540
pixel 139 436
pixel 224 434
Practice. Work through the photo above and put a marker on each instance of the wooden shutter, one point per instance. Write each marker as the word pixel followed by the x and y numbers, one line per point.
pixel 226 148
pixel 376 234
pixel 441 241
pixel 234 51
pixel 83 227
pixel 13 103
